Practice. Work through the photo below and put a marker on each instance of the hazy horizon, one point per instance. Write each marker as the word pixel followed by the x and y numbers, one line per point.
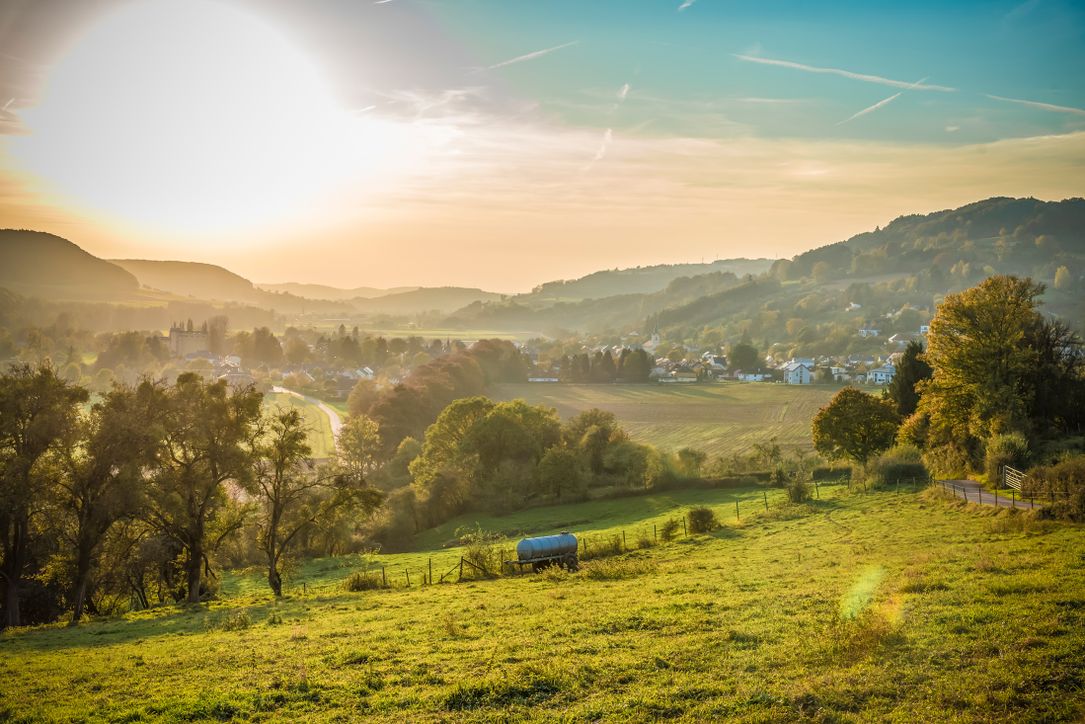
pixel 502 145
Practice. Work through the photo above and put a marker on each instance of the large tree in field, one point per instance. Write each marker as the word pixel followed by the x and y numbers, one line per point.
pixel 209 436
pixel 911 369
pixel 854 426
pixel 292 495
pixel 37 411
pixel 982 348
pixel 102 473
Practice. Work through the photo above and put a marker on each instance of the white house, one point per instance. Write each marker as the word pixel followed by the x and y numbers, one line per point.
pixel 882 375
pixel 797 372
pixel 924 328
pixel 865 332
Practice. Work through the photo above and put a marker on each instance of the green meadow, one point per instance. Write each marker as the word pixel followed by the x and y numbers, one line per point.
pixel 883 606
pixel 721 419
pixel 321 439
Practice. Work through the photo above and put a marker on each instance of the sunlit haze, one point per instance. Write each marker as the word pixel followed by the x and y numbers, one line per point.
pixel 502 145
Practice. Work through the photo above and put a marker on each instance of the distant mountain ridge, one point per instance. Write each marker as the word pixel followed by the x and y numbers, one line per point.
pixel 329 293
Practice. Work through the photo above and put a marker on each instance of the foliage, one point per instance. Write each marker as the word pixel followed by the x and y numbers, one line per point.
pixel 668 531
pixel 900 463
pixel 1007 449
pixel 854 425
pixel 1064 482
pixel 911 370
pixel 798 490
pixel 702 520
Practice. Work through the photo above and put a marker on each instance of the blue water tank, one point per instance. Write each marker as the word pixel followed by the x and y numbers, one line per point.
pixel 546 546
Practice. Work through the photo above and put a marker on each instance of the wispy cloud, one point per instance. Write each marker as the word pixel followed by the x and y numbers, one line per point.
pixel 531 56
pixel 686 4
pixel 623 92
pixel 601 152
pixel 1041 106
pixel 866 77
pixel 870 109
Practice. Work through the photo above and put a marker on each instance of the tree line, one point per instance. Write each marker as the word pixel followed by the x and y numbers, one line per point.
pixel 132 496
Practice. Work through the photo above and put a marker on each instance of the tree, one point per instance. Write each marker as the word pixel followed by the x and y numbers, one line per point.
pixel 743 357
pixel 979 348
pixel 590 433
pixel 911 369
pixel 362 396
pixel 443 457
pixel 103 474
pixel 560 473
pixel 691 461
pixel 210 433
pixel 293 496
pixel 854 425
pixel 358 446
pixel 37 411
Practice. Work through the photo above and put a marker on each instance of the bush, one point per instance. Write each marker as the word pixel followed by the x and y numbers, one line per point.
pixel 1065 482
pixel 798 491
pixel 363 581
pixel 481 549
pixel 669 530
pixel 702 520
pixel 903 462
pixel 602 547
pixel 1008 449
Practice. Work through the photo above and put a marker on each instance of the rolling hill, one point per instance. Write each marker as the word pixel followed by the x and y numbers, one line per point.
pixel 35 263
pixel 327 293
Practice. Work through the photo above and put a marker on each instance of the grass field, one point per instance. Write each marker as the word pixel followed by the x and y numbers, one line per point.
pixel 879 607
pixel 320 432
pixel 721 419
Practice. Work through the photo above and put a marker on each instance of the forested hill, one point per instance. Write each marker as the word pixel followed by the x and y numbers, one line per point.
pixel 637 280
pixel 1023 236
pixel 329 293
pixel 819 298
pixel 40 264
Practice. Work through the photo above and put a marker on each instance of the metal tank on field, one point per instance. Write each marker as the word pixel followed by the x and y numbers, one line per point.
pixel 547 550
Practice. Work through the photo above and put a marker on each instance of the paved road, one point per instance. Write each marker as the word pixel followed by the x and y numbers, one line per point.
pixel 334 420
pixel 973 492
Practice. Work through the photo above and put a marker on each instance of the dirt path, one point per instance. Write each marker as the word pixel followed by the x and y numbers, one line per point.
pixel 973 492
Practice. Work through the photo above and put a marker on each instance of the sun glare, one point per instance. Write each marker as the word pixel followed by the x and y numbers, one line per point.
pixel 193 115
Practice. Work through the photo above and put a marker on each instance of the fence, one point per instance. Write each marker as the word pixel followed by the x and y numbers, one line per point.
pixel 1013 478
pixel 974 493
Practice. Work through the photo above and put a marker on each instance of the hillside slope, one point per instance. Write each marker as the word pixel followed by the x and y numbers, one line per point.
pixel 35 263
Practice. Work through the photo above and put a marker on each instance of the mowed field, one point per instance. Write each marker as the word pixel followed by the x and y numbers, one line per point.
pixel 321 439
pixel 720 419
pixel 886 606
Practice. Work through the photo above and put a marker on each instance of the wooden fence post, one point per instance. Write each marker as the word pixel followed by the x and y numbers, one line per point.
pixel 684 532
pixel 736 509
pixel 304 589
pixel 431 571
pixel 408 577
pixel 766 494
pixel 655 538
pixel 384 578
pixel 461 568
pixel 625 546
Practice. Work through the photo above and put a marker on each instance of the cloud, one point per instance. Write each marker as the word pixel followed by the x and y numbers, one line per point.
pixel 686 4
pixel 865 77
pixel 1041 106
pixel 623 92
pixel 952 129
pixel 531 56
pixel 870 109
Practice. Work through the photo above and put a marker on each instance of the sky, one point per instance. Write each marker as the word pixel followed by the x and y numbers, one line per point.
pixel 504 143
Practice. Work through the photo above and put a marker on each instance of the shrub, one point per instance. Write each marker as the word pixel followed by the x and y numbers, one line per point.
pixel 481 549
pixel 602 547
pixel 903 462
pixel 644 540
pixel 1065 482
pixel 669 530
pixel 798 491
pixel 362 581
pixel 1008 449
pixel 702 520
pixel 231 621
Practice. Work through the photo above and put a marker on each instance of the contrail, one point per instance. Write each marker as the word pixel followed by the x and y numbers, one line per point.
pixel 845 74
pixel 530 56
pixel 1041 106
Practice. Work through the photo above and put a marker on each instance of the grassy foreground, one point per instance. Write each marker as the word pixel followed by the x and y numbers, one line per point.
pixel 721 419
pixel 887 607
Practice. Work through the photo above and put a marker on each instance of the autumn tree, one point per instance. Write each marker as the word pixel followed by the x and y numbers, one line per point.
pixel 855 426
pixel 37 411
pixel 209 434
